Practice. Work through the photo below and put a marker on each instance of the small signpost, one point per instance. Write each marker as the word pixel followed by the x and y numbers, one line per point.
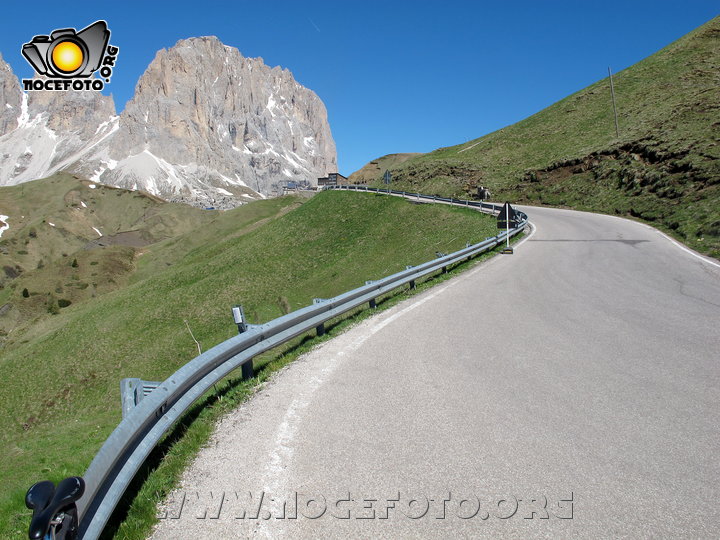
pixel 507 216
pixel 238 314
pixel 387 177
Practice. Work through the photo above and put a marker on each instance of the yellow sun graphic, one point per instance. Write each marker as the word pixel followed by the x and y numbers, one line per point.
pixel 67 56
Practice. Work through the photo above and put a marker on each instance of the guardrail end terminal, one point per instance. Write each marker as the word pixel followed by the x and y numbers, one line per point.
pixel 133 390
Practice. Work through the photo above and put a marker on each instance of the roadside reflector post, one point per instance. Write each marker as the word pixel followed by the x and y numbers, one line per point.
pixel 507 228
pixel 238 314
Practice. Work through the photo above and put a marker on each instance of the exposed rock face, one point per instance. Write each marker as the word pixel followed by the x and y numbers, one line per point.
pixel 53 131
pixel 206 126
pixel 10 98
pixel 78 112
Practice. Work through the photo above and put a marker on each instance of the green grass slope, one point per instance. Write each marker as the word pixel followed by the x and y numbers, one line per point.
pixel 374 170
pixel 664 167
pixel 60 387
pixel 53 250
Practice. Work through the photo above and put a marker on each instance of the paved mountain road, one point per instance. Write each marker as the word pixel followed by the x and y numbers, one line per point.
pixel 584 368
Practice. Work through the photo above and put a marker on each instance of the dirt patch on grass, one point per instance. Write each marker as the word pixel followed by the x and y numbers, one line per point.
pixel 136 239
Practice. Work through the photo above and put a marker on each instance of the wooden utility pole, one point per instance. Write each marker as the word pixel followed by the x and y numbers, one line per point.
pixel 612 91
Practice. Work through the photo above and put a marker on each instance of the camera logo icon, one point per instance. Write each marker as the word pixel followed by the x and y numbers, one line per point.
pixel 67 56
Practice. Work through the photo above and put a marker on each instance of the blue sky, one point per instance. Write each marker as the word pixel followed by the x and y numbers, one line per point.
pixel 397 76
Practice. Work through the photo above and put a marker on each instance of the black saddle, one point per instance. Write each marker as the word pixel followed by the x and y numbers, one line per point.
pixel 46 501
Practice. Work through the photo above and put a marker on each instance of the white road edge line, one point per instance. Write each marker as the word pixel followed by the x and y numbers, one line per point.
pixel 529 236
pixel 685 249
pixel 273 477
pixel 667 237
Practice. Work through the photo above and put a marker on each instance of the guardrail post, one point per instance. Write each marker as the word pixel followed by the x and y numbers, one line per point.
pixel 372 302
pixel 247 370
pixel 440 255
pixel 320 329
pixel 412 281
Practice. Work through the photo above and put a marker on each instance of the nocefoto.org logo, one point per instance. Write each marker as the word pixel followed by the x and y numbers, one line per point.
pixel 69 58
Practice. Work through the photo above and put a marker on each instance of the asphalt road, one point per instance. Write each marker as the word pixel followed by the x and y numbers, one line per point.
pixel 571 390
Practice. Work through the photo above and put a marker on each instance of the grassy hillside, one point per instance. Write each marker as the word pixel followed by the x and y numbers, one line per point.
pixel 70 240
pixel 59 391
pixel 664 167
pixel 374 170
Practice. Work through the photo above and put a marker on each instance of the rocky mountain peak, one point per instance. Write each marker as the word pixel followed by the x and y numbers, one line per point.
pixel 10 98
pixel 206 125
pixel 238 123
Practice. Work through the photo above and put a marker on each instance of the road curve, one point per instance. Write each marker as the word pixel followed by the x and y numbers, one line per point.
pixel 569 390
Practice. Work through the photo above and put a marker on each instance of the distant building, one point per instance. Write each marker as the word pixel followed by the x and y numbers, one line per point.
pixel 332 179
pixel 286 186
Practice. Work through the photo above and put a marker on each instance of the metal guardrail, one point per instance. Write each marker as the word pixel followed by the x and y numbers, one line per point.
pixel 489 207
pixel 148 415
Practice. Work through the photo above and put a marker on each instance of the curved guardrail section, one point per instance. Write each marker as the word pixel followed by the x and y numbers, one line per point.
pixel 127 447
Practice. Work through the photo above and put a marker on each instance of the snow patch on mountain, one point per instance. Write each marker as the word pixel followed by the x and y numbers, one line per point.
pixel 4 225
